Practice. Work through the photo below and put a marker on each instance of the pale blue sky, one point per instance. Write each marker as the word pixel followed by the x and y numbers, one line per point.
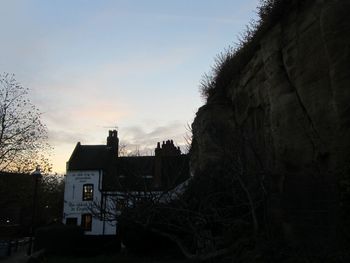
pixel 134 64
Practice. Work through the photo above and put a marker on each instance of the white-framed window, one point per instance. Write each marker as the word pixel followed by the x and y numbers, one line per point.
pixel 88 192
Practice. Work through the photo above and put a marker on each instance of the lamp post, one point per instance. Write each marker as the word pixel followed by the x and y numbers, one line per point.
pixel 36 175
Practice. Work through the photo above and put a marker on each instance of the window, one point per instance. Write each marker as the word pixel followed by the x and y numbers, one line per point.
pixel 86 222
pixel 72 221
pixel 88 192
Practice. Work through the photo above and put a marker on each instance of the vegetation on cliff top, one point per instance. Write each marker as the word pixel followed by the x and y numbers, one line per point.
pixel 229 63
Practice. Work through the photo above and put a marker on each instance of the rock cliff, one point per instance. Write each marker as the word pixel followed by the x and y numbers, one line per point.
pixel 286 115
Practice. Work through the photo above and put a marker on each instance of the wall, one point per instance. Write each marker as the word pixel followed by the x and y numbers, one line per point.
pixel 74 206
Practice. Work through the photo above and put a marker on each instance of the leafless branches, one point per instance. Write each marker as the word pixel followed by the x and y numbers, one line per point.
pixel 22 135
pixel 205 216
pixel 188 137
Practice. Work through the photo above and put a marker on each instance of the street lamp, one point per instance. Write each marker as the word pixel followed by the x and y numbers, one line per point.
pixel 36 175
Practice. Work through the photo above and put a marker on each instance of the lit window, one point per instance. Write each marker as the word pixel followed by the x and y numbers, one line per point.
pixel 88 192
pixel 86 222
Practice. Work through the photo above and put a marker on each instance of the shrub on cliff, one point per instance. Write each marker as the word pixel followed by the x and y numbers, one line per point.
pixel 229 63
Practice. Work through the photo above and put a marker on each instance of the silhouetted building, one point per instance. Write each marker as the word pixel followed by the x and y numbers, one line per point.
pixel 15 210
pixel 96 174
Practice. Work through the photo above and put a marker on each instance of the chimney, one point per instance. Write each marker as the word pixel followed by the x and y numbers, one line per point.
pixel 166 149
pixel 157 151
pixel 113 141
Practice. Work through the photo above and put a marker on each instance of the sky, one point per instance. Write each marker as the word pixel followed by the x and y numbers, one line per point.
pixel 94 65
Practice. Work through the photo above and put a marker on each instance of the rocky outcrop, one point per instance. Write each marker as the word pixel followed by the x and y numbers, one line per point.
pixel 287 116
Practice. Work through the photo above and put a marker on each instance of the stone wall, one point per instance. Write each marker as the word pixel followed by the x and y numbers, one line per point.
pixel 287 116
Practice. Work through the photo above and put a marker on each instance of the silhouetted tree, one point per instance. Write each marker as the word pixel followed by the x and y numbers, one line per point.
pixel 23 136
pixel 50 197
pixel 208 216
pixel 16 195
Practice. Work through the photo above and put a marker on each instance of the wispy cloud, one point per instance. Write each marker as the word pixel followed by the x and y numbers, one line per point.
pixel 65 137
pixel 137 137
pixel 197 19
pixel 94 64
pixel 107 93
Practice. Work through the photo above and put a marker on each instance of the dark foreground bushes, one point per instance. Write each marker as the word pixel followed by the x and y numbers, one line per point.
pixel 60 239
pixel 143 242
pixel 70 240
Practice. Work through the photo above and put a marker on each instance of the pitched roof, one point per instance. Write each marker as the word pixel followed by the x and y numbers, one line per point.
pixel 175 170
pixel 130 173
pixel 90 157
pixel 136 165
pixel 140 173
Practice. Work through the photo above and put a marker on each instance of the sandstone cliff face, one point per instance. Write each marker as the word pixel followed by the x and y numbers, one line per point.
pixel 288 116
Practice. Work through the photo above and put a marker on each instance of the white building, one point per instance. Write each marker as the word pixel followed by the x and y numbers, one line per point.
pixel 82 188
pixel 96 177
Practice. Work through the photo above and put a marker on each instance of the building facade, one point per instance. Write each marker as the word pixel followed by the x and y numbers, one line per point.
pixel 98 180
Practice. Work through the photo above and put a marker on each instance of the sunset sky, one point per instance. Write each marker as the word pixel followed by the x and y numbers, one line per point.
pixel 92 65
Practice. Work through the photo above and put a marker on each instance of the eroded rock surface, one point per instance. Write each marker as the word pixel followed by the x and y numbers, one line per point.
pixel 290 109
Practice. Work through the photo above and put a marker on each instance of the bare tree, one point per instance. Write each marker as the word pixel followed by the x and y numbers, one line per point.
pixel 188 137
pixel 122 149
pixel 205 217
pixel 22 134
